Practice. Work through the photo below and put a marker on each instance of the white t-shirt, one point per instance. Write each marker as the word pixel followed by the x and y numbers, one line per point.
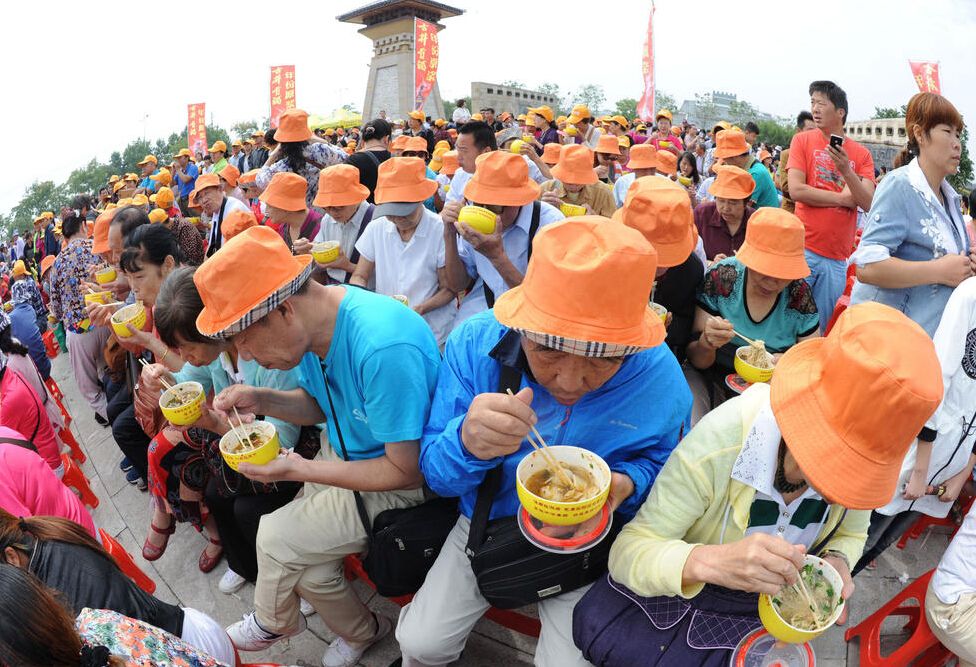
pixel 461 115
pixel 344 233
pixel 956 573
pixel 231 205
pixel 410 268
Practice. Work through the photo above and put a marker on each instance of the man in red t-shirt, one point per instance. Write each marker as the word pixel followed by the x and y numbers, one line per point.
pixel 828 184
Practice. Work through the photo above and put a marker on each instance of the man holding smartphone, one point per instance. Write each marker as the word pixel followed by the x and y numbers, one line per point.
pixel 830 176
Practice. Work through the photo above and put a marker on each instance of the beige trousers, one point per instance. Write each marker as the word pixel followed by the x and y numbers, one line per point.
pixel 300 548
pixel 954 624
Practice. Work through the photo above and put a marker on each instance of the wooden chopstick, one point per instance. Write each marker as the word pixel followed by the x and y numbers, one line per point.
pixel 809 600
pixel 745 338
pixel 550 459
pixel 166 384
pixel 237 435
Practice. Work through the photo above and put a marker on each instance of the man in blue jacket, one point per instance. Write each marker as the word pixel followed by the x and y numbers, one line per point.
pixel 593 374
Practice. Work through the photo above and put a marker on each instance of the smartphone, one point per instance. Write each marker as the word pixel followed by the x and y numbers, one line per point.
pixel 836 141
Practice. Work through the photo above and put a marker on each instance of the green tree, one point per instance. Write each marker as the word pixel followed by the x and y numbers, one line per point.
pixel 627 108
pixel 962 180
pixel 776 132
pixel 663 100
pixel 552 89
pixel 890 112
pixel 512 83
pixel 741 112
pixel 708 113
pixel 591 95
pixel 38 197
pixel 88 179
pixel 450 106
pixel 244 129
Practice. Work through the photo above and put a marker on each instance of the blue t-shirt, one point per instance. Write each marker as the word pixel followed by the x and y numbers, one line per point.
pixel 723 293
pixel 382 369
pixel 186 188
pixel 148 183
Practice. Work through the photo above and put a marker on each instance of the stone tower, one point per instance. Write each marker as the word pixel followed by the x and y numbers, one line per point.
pixel 390 24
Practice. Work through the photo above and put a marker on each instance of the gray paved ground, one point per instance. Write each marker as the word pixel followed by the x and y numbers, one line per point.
pixel 124 513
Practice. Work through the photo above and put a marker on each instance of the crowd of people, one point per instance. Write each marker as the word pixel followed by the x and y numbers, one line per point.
pixel 404 303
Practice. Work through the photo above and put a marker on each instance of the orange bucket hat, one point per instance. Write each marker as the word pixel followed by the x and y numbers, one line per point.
pixel 585 290
pixel 643 156
pixel 46 265
pixel 575 165
pixel 399 144
pixel 237 221
pixel 449 164
pixel 607 143
pixel 102 223
pixel 202 183
pixel 730 143
pixel 401 184
pixel 732 183
pixel 765 155
pixel 874 356
pixel 551 153
pixel 230 173
pixel 501 179
pixel 234 294
pixel 249 176
pixel 339 186
pixel 667 162
pixel 293 126
pixel 660 209
pixel 415 144
pixel 286 191
pixel 774 245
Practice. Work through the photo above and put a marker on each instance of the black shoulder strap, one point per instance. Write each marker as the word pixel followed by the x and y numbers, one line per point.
pixel 533 228
pixel 19 443
pixel 822 543
pixel 511 378
pixel 367 217
pixel 360 506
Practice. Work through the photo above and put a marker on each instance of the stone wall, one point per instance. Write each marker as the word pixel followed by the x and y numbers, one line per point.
pixel 514 100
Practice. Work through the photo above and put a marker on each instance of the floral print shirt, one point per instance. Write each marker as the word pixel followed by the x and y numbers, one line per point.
pixel 68 275
pixel 137 643
pixel 323 155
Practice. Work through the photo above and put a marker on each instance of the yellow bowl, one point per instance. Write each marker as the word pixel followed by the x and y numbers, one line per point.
pixel 106 275
pixel 134 314
pixel 516 146
pixel 99 297
pixel 402 299
pixel 187 413
pixel 571 210
pixel 265 453
pixel 480 219
pixel 777 627
pixel 8 307
pixel 562 513
pixel 660 310
pixel 684 180
pixel 447 188
pixel 528 138
pixel 664 144
pixel 571 130
pixel 749 372
pixel 325 252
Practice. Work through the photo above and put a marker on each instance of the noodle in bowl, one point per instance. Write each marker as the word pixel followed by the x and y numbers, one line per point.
pixel 261 444
pixel 591 472
pixel 748 371
pixel 824 584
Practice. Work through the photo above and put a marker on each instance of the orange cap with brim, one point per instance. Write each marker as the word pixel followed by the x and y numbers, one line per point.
pixel 575 165
pixel 293 126
pixel 660 209
pixel 286 191
pixel 585 290
pixel 163 198
pixel 663 113
pixel 642 156
pixel 774 245
pixel 732 183
pixel 874 356
pixel 543 111
pixel 730 143
pixel 607 143
pixel 158 215
pixel 102 223
pixel 236 222
pixel 501 179
pixel 339 185
pixel 236 296
pixel 551 153
pixel 667 162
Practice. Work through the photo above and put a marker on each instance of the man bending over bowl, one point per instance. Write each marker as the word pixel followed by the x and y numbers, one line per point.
pixel 581 351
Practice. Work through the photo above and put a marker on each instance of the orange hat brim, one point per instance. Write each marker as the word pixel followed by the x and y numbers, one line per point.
pixel 782 267
pixel 669 254
pixel 482 193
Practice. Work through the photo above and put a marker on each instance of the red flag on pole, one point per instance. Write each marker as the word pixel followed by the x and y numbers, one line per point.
pixel 426 57
pixel 645 108
pixel 196 128
pixel 282 91
pixel 926 76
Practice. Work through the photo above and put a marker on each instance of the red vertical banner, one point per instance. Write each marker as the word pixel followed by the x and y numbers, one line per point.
pixel 196 129
pixel 282 91
pixel 926 76
pixel 426 56
pixel 645 108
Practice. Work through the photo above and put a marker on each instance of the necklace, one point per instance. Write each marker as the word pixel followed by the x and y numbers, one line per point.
pixel 780 483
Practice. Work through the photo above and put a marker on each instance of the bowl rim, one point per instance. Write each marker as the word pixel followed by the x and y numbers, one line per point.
pixel 332 245
pixel 563 503
pixel 138 307
pixel 821 563
pixel 480 210
pixel 755 368
pixel 106 270
pixel 263 425
pixel 193 383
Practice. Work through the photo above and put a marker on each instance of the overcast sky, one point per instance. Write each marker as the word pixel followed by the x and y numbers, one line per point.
pixel 81 79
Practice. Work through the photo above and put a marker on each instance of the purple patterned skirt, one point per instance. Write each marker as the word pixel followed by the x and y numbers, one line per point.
pixel 613 626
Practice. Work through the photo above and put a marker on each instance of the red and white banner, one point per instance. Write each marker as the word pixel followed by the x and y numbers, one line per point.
pixel 426 57
pixel 196 129
pixel 645 108
pixel 926 76
pixel 282 91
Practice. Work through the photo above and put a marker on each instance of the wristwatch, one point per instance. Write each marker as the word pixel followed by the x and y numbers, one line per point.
pixel 836 554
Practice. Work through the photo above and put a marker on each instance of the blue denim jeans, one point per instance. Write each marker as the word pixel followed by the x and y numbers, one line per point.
pixel 827 279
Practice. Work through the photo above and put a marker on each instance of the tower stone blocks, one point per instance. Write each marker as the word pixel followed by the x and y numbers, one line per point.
pixel 390 26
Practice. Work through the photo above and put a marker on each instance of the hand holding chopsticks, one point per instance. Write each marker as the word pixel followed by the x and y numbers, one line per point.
pixel 550 459
pixel 166 384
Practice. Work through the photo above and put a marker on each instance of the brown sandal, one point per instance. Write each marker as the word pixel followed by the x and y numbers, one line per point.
pixel 151 552
pixel 206 563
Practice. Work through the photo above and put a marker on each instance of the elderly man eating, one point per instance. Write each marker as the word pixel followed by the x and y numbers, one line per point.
pixel 581 351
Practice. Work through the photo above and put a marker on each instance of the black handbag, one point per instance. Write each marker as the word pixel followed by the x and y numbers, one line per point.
pixel 512 572
pixel 403 543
